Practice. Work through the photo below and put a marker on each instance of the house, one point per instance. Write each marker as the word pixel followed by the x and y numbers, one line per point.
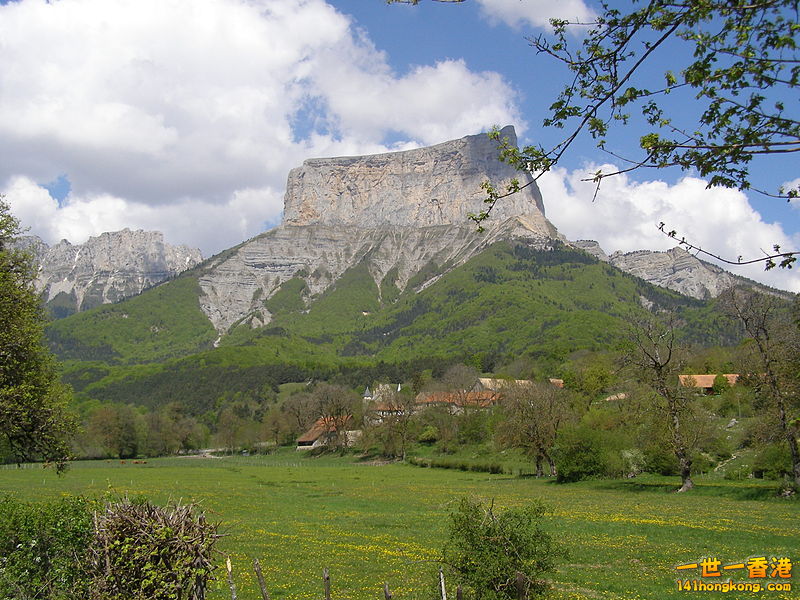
pixel 382 391
pixel 487 384
pixel 706 382
pixel 325 431
pixel 390 408
pixel 383 403
pixel 497 385
pixel 456 402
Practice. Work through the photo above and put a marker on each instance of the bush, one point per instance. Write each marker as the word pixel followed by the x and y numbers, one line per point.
pixel 579 454
pixel 429 435
pixel 43 548
pixel 486 550
pixel 773 462
pixel 67 549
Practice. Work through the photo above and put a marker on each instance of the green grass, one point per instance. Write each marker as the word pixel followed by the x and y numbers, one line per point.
pixel 373 524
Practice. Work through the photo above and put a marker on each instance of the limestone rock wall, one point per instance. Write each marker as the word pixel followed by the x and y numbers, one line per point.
pixel 107 268
pixel 438 185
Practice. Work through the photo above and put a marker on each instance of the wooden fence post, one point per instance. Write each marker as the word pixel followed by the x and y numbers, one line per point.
pixel 230 578
pixel 260 575
pixel 387 595
pixel 326 579
pixel 441 584
pixel 521 595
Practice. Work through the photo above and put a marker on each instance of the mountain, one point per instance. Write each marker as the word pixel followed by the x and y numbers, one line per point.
pixel 105 269
pixel 397 213
pixel 375 272
pixel 676 269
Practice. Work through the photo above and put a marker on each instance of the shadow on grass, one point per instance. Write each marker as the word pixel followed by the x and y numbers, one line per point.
pixel 732 490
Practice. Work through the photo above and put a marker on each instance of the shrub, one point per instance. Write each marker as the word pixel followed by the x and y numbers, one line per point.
pixel 579 454
pixel 486 550
pixel 43 548
pixel 429 435
pixel 772 462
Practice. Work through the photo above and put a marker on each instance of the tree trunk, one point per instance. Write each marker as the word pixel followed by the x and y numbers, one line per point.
pixel 791 440
pixel 686 474
pixel 552 463
pixel 678 445
pixel 539 470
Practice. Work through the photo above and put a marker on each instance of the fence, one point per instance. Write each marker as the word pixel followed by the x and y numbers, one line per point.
pixel 521 588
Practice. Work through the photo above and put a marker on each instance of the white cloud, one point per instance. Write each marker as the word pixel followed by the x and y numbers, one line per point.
pixel 76 218
pixel 625 215
pixel 536 13
pixel 159 109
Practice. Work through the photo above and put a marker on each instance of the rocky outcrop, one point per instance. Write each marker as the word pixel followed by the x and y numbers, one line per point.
pixel 677 270
pixel 438 185
pixel 396 213
pixel 106 268
pixel 591 247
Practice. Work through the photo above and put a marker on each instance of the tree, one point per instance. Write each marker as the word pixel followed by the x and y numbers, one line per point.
pixel 533 414
pixel 739 75
pixel 34 419
pixel 337 406
pixel 487 550
pixel 775 348
pixel 391 422
pixel 119 428
pixel 657 360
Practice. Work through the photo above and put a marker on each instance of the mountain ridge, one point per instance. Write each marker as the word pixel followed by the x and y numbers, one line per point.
pixel 106 268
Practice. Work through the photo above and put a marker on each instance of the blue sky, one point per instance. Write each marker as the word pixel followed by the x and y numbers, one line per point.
pixel 186 116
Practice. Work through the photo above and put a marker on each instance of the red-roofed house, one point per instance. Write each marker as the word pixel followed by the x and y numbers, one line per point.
pixel 325 431
pixel 706 382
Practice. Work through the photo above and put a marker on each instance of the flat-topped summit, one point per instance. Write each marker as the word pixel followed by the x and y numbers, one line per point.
pixel 437 185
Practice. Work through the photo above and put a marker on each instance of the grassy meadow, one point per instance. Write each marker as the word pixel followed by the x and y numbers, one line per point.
pixel 371 524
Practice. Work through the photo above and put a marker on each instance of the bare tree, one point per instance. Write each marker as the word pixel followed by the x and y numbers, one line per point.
pixel 392 421
pixel 533 414
pixel 300 411
pixel 775 345
pixel 657 359
pixel 336 405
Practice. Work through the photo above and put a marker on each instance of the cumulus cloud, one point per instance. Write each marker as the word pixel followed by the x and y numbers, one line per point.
pixel 625 215
pixel 153 106
pixel 536 13
pixel 76 218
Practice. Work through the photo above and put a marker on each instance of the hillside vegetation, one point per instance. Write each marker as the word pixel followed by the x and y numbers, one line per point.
pixel 508 302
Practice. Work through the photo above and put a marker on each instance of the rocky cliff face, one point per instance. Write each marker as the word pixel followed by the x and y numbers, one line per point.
pixel 106 268
pixel 396 212
pixel 675 269
pixel 399 214
pixel 438 185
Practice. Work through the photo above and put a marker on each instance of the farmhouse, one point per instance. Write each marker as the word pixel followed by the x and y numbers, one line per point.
pixel 457 402
pixel 488 384
pixel 705 383
pixel 327 431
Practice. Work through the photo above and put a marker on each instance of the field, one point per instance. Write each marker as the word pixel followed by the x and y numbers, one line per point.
pixel 371 524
